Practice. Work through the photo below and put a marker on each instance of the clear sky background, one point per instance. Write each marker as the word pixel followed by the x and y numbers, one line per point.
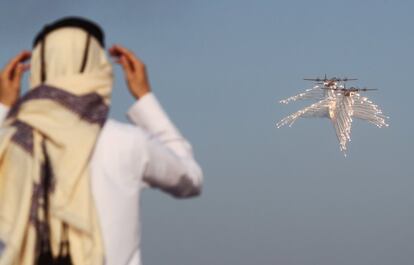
pixel 271 196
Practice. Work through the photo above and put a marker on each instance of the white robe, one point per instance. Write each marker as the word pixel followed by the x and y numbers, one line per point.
pixel 128 157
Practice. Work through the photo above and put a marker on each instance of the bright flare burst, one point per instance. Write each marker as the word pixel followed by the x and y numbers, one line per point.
pixel 340 106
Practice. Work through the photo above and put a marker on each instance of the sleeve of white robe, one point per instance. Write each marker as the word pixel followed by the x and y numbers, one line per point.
pixel 170 166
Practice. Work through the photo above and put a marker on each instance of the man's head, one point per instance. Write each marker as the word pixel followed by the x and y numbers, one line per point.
pixel 67 47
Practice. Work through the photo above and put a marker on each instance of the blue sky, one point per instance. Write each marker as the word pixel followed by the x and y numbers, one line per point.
pixel 271 196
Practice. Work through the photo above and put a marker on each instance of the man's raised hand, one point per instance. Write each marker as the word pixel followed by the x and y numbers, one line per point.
pixel 10 78
pixel 134 70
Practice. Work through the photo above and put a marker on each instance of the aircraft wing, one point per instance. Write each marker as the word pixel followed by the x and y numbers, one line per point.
pixel 315 92
pixel 317 110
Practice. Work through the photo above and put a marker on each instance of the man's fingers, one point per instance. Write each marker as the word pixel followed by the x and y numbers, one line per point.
pixel 21 57
pixel 118 50
pixel 26 67
pixel 124 62
pixel 128 70
pixel 21 68
pixel 18 73
pixel 122 57
pixel 134 70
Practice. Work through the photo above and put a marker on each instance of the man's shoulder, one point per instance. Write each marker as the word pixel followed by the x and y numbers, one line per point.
pixel 112 124
pixel 117 131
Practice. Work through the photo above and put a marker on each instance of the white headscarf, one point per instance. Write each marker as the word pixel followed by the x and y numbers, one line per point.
pixel 64 51
pixel 62 115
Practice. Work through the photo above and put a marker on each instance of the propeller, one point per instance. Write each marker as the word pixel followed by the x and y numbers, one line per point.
pixel 361 89
pixel 351 89
pixel 349 79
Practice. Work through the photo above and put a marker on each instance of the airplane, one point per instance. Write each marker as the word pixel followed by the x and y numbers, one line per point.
pixel 338 103
pixel 329 82
pixel 347 91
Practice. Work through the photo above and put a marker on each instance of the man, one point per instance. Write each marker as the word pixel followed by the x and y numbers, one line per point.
pixel 70 86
